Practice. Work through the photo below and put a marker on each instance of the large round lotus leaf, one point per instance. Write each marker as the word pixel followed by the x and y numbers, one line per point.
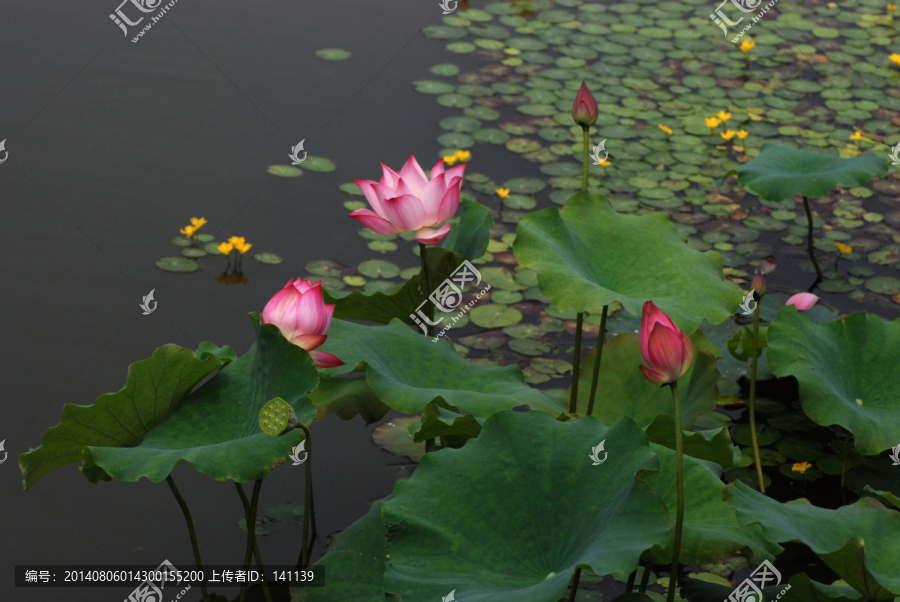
pixel 858 542
pixel 622 389
pixel 438 540
pixel 847 371
pixel 406 370
pixel 151 425
pixel 778 172
pixel 587 255
pixel 711 530
pixel 177 264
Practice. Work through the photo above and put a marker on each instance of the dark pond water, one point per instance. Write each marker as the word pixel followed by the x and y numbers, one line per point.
pixel 113 145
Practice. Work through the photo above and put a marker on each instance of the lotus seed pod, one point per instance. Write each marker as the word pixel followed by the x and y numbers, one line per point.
pixel 277 417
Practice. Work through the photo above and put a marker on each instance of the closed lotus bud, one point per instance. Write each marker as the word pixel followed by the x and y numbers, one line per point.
pixel 584 110
pixel 759 284
pixel 667 350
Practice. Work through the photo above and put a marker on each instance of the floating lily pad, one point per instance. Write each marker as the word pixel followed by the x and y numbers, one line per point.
pixel 177 264
pixel 268 258
pixel 525 185
pixel 445 69
pixel 428 86
pixel 333 54
pixel 495 316
pixel 285 171
pixel 886 285
pixel 319 164
pixel 193 253
pixel 378 268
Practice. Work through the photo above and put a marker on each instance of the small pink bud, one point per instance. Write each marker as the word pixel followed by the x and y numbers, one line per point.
pixel 584 110
pixel 802 301
pixel 759 284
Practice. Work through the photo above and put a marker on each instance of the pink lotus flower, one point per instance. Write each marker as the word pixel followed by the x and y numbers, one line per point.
pixel 667 350
pixel 802 301
pixel 409 201
pixel 584 109
pixel 758 285
pixel 300 313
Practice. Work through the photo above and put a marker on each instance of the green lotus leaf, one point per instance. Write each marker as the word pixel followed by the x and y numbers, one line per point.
pixel 712 445
pixel 494 550
pixel 406 370
pixel 711 529
pixel 153 389
pixel 217 427
pixel 847 370
pixel 440 419
pixel 347 397
pixel 470 237
pixel 586 255
pixel 779 172
pixel 836 536
pixel 355 561
pixel 396 436
pixel 802 589
pixel 623 390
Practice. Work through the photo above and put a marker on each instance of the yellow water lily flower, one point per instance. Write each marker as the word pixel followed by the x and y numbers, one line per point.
pixel 502 192
pixel 463 155
pixel 713 122
pixel 225 248
pixel 747 46
pixel 857 136
pixel 801 467
pixel 237 241
pixel 605 163
pixel 188 231
pixel 450 160
pixel 727 135
pixel 723 115
pixel 197 222
pixel 243 248
pixel 742 134
pixel 892 7
pixel 665 129
pixel 843 249
pixel 895 58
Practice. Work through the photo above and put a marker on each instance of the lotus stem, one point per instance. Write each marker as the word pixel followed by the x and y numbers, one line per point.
pixel 586 144
pixel 190 526
pixel 844 460
pixel 423 254
pixel 576 364
pixel 679 483
pixel 753 364
pixel 629 587
pixel 575 578
pixel 259 563
pixel 303 562
pixel 596 376
pixel 645 578
pixel 809 239
pixel 250 519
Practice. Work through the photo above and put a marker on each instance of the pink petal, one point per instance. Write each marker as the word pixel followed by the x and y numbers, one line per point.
pixel 688 354
pixel 390 177
pixel 666 351
pixel 802 301
pixel 369 190
pixel 324 359
pixel 304 285
pixel 431 197
pixel 310 316
pixel 374 222
pixel 438 169
pixel 652 375
pixel 404 188
pixel 280 309
pixel 429 236
pixel 413 174
pixel 308 341
pixel 455 172
pixel 405 212
pixel 650 317
pixel 450 201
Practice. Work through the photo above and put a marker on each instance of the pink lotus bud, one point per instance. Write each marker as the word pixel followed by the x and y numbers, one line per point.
pixel 300 313
pixel 584 110
pixel 667 349
pixel 758 284
pixel 802 301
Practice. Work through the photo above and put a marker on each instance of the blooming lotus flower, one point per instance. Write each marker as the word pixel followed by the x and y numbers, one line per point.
pixel 667 349
pixel 802 301
pixel 584 109
pixel 300 313
pixel 409 201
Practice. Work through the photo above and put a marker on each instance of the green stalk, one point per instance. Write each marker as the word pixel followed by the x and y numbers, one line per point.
pixel 430 311
pixel 679 476
pixel 250 519
pixel 576 364
pixel 584 160
pixel 190 525
pixel 645 577
pixel 844 461
pixel 629 587
pixel 575 580
pixel 809 239
pixel 753 363
pixel 303 562
pixel 595 377
pixel 259 563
